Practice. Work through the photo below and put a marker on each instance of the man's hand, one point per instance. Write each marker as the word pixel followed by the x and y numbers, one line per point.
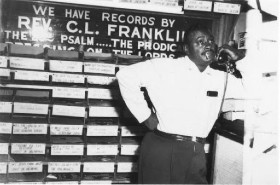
pixel 233 53
pixel 151 122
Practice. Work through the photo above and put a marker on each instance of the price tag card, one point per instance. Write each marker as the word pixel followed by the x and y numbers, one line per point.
pixel 228 8
pixel 5 107
pixel 103 130
pixel 64 92
pixel 127 167
pixel 28 148
pixel 27 63
pixel 99 167
pixel 103 112
pixel 22 128
pixel 30 108
pixel 101 68
pixel 3 61
pixel 5 128
pixel 101 80
pixel 5 72
pixel 64 110
pixel 132 131
pixel 198 5
pixel 98 93
pixel 68 78
pixel 69 66
pixel 3 168
pixel 25 167
pixel 64 167
pixel 58 149
pixel 130 149
pixel 66 129
pixel 4 148
pixel 97 182
pixel 102 149
pixel 167 3
pixel 31 75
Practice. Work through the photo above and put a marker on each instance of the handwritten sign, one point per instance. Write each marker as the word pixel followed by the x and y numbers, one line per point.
pixel 64 92
pixel 4 148
pixel 59 149
pixel 3 168
pixel 68 66
pixel 64 167
pixel 127 167
pixel 25 167
pixel 198 5
pixel 28 148
pixel 22 128
pixel 5 72
pixel 228 8
pixel 103 130
pixel 30 108
pixel 66 129
pixel 99 167
pixel 3 61
pixel 72 111
pixel 5 128
pixel 5 107
pixel 101 68
pixel 68 78
pixel 98 93
pixel 106 149
pixel 27 63
pixel 31 75
pixel 103 112
pixel 101 80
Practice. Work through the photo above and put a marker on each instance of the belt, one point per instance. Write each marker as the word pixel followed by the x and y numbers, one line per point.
pixel 179 137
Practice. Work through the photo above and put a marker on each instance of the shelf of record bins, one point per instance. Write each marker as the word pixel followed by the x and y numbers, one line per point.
pixel 60 115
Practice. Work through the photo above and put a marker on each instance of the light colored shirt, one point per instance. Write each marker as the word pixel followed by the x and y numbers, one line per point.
pixel 178 91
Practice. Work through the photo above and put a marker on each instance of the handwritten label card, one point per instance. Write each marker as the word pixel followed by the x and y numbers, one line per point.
pixel 103 112
pixel 28 148
pixel 103 130
pixel 64 167
pixel 66 129
pixel 31 75
pixel 101 80
pixel 127 167
pixel 102 149
pixel 4 148
pixel 58 149
pixel 25 167
pixel 30 108
pixel 70 66
pixel 99 167
pixel 22 128
pixel 5 128
pixel 101 68
pixel 73 111
pixel 228 8
pixel 198 5
pixel 98 93
pixel 64 92
pixel 3 168
pixel 68 78
pixel 130 149
pixel 27 63
pixel 3 61
pixel 5 107
pixel 5 72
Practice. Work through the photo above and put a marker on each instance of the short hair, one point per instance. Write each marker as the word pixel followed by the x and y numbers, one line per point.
pixel 193 28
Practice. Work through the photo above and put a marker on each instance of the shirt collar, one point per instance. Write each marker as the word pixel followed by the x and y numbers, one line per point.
pixel 191 66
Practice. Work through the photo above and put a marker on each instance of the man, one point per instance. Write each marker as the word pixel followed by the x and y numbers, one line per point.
pixel 186 94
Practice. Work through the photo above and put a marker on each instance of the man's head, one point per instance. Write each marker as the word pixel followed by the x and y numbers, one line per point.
pixel 200 46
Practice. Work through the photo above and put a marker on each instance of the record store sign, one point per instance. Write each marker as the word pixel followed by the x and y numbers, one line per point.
pixel 66 27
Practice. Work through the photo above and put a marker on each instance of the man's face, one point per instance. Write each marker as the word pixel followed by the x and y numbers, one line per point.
pixel 201 48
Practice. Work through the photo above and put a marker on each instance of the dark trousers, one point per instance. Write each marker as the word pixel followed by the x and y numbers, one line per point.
pixel 166 161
